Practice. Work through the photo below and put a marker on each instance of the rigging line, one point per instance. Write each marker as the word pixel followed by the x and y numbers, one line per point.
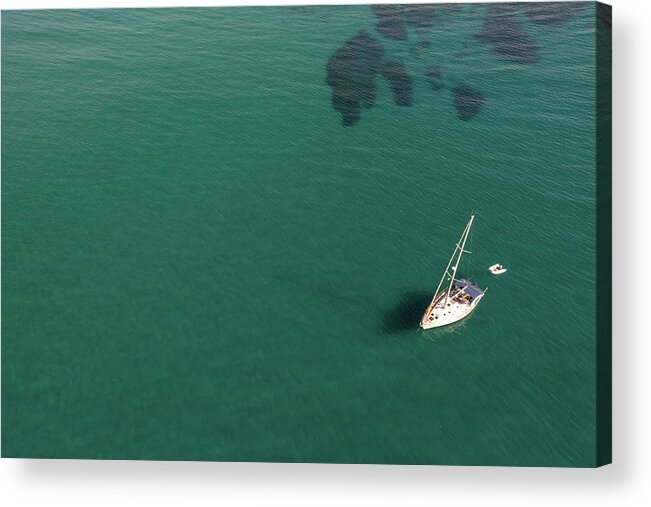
pixel 472 260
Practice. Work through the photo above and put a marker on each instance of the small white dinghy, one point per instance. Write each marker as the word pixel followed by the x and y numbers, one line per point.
pixel 497 269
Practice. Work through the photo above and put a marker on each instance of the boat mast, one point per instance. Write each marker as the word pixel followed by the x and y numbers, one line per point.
pixel 464 237
pixel 447 268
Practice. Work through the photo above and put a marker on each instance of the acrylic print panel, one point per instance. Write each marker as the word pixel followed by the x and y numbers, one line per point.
pixel 224 229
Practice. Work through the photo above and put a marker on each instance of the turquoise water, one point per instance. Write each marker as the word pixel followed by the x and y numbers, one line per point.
pixel 200 262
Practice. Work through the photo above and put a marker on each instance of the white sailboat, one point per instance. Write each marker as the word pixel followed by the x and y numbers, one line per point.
pixel 459 298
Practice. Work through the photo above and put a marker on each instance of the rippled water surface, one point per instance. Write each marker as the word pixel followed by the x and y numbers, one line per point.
pixel 221 226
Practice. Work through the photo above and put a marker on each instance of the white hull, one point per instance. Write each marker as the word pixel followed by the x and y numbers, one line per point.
pixel 438 315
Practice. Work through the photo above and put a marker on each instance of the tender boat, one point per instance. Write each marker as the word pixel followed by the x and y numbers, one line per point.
pixel 497 269
pixel 459 298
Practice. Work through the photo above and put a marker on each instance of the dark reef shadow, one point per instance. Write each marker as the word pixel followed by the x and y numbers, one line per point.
pixel 406 313
pixel 503 30
pixel 400 82
pixel 468 101
pixel 351 74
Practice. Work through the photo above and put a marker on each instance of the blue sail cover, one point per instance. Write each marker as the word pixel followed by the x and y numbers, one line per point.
pixel 469 288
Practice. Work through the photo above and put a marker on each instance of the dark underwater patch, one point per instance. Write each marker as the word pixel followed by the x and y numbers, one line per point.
pixel 468 101
pixel 393 19
pixel 423 16
pixel 419 16
pixel 504 32
pixel 434 76
pixel 390 23
pixel 551 14
pixel 400 81
pixel 351 73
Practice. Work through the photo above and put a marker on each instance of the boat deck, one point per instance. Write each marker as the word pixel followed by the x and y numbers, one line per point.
pixel 464 296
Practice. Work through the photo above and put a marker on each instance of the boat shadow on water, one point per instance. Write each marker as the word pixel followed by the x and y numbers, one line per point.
pixel 407 312
pixel 406 315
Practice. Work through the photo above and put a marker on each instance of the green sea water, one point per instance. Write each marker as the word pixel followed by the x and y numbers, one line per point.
pixel 200 262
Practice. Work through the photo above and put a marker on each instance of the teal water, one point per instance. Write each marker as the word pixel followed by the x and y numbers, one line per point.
pixel 200 262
